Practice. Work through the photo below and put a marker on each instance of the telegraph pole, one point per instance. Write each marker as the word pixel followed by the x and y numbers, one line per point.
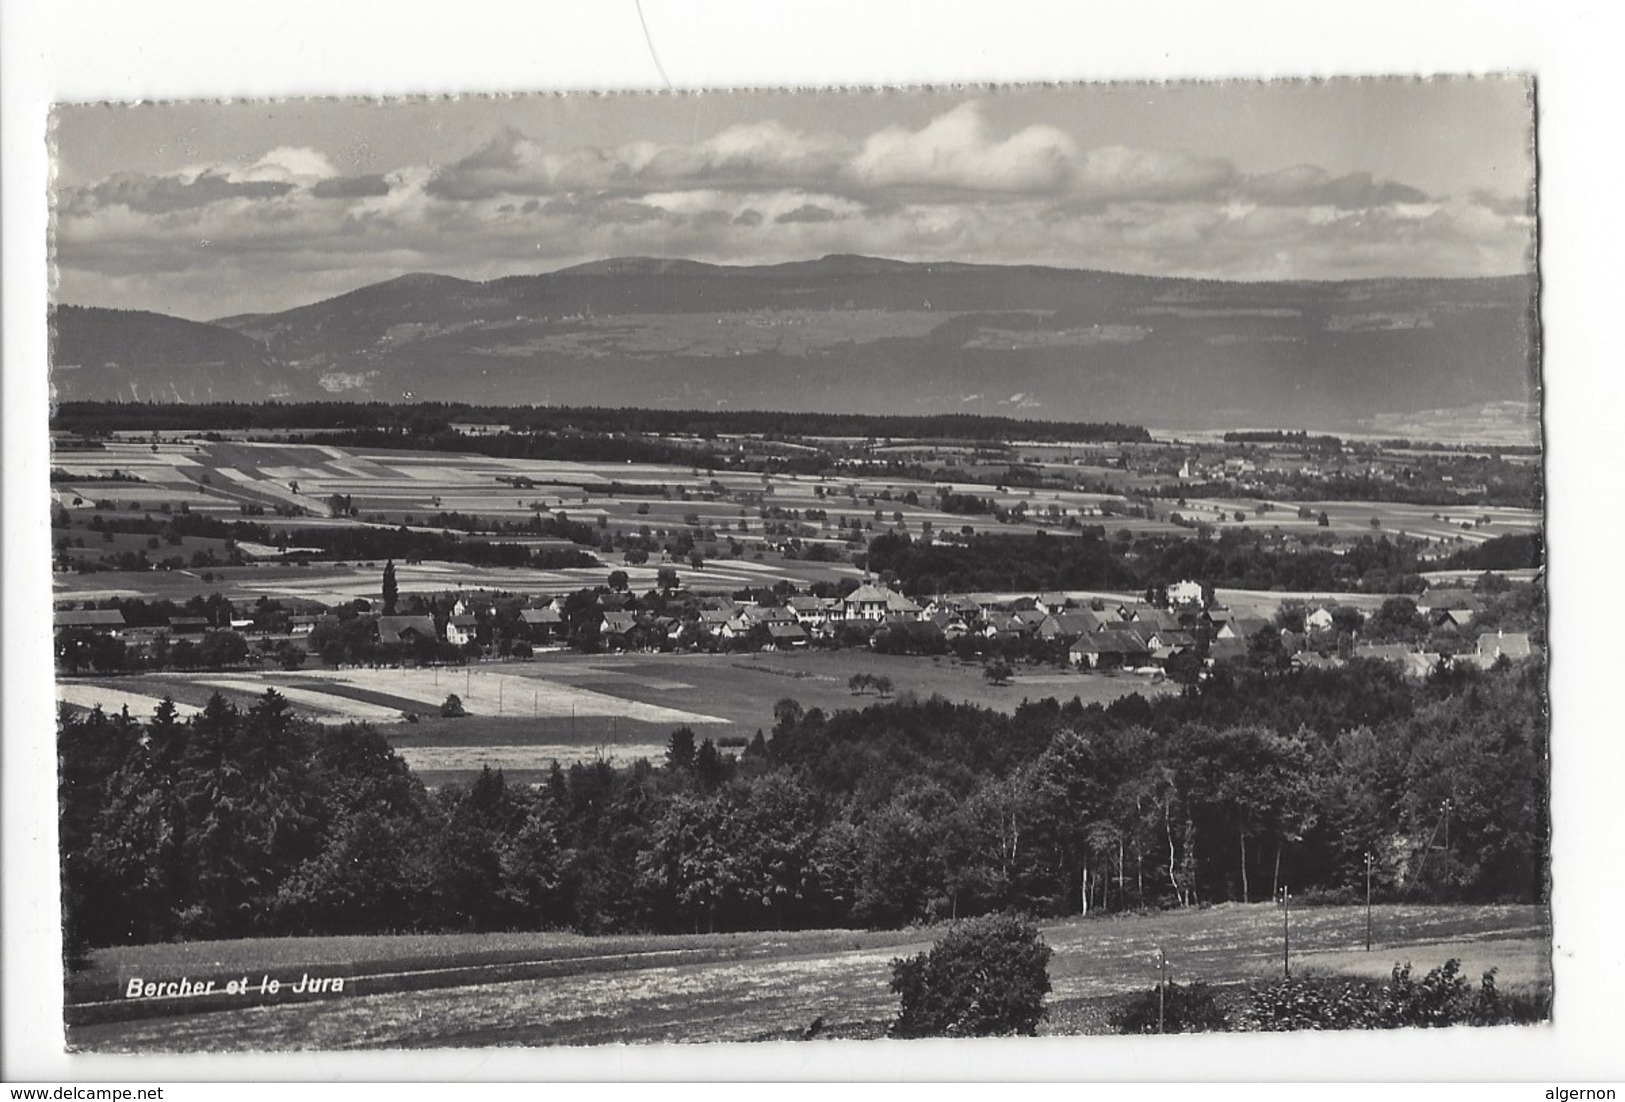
pixel 1286 932
pixel 1368 901
pixel 1162 987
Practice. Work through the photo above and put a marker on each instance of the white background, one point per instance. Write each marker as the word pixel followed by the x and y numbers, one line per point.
pixel 145 49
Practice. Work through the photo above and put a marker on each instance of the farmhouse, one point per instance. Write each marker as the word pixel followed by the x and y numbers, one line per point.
pixel 1051 602
pixel 1164 644
pixel 406 629
pixel 715 619
pixel 807 609
pixel 1241 627
pixel 1108 650
pixel 617 623
pixel 787 635
pixel 110 620
pixel 1069 625
pixel 542 624
pixel 1511 645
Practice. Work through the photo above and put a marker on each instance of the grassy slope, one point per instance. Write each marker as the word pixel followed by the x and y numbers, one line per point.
pixel 754 986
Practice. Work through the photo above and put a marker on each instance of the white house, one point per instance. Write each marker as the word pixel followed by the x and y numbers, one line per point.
pixel 460 628
pixel 1185 593
pixel 869 602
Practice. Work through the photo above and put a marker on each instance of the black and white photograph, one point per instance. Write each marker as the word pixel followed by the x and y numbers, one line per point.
pixel 837 566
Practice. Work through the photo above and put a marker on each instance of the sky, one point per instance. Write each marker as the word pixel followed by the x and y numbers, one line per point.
pixel 204 210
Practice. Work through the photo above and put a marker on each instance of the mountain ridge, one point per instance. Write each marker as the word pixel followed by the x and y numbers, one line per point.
pixel 842 333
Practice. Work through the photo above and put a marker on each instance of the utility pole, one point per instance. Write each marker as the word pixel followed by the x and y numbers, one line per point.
pixel 1286 932
pixel 1368 901
pixel 1162 987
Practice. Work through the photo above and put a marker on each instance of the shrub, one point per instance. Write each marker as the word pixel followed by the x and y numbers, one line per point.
pixel 1443 997
pixel 1186 1009
pixel 1315 1002
pixel 986 977
pixel 453 707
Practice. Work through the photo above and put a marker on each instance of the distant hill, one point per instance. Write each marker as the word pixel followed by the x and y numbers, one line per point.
pixel 858 334
pixel 134 355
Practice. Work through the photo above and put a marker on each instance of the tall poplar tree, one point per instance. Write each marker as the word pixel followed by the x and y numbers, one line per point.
pixel 391 590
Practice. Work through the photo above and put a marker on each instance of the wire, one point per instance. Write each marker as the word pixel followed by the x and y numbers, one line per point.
pixel 650 40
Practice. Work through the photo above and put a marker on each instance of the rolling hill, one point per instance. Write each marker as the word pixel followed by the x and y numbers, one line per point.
pixel 133 355
pixel 848 334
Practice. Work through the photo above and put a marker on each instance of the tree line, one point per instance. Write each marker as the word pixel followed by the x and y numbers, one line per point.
pixel 237 823
pixel 430 418
pixel 1237 557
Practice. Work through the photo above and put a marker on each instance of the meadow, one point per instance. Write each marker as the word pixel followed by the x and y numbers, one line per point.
pixel 223 478
pixel 523 716
pixel 540 989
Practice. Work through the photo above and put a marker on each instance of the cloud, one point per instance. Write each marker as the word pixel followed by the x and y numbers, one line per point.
pixel 953 188
pixel 1309 185
pixel 290 164
pixel 350 187
pixel 1116 173
pixel 163 194
pixel 807 212
pixel 956 151
pixel 1505 206
pixel 597 209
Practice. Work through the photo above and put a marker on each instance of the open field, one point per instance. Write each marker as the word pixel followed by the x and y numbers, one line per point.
pixel 659 502
pixel 523 716
pixel 551 693
pixel 380 695
pixel 743 688
pixel 538 989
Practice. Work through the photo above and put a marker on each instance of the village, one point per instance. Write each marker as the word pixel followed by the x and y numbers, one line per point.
pixel 1184 633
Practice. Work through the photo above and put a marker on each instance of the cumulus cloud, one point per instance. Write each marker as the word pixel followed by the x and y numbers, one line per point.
pixel 957 151
pixel 954 188
pixel 290 164
pixel 1118 173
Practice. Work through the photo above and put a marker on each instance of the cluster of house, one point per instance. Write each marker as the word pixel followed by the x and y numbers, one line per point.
pixel 1096 633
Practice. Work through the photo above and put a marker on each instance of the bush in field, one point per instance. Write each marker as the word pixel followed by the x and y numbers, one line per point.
pixel 1443 997
pixel 1186 1009
pixel 987 977
pixel 453 707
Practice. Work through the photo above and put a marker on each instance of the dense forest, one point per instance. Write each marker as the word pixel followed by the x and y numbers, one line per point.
pixel 1236 557
pixel 247 823
pixel 432 418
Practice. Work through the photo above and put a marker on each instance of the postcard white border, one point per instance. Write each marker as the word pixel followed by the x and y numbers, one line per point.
pixel 164 49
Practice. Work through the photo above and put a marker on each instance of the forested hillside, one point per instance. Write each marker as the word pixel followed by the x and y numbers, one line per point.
pixel 231 824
